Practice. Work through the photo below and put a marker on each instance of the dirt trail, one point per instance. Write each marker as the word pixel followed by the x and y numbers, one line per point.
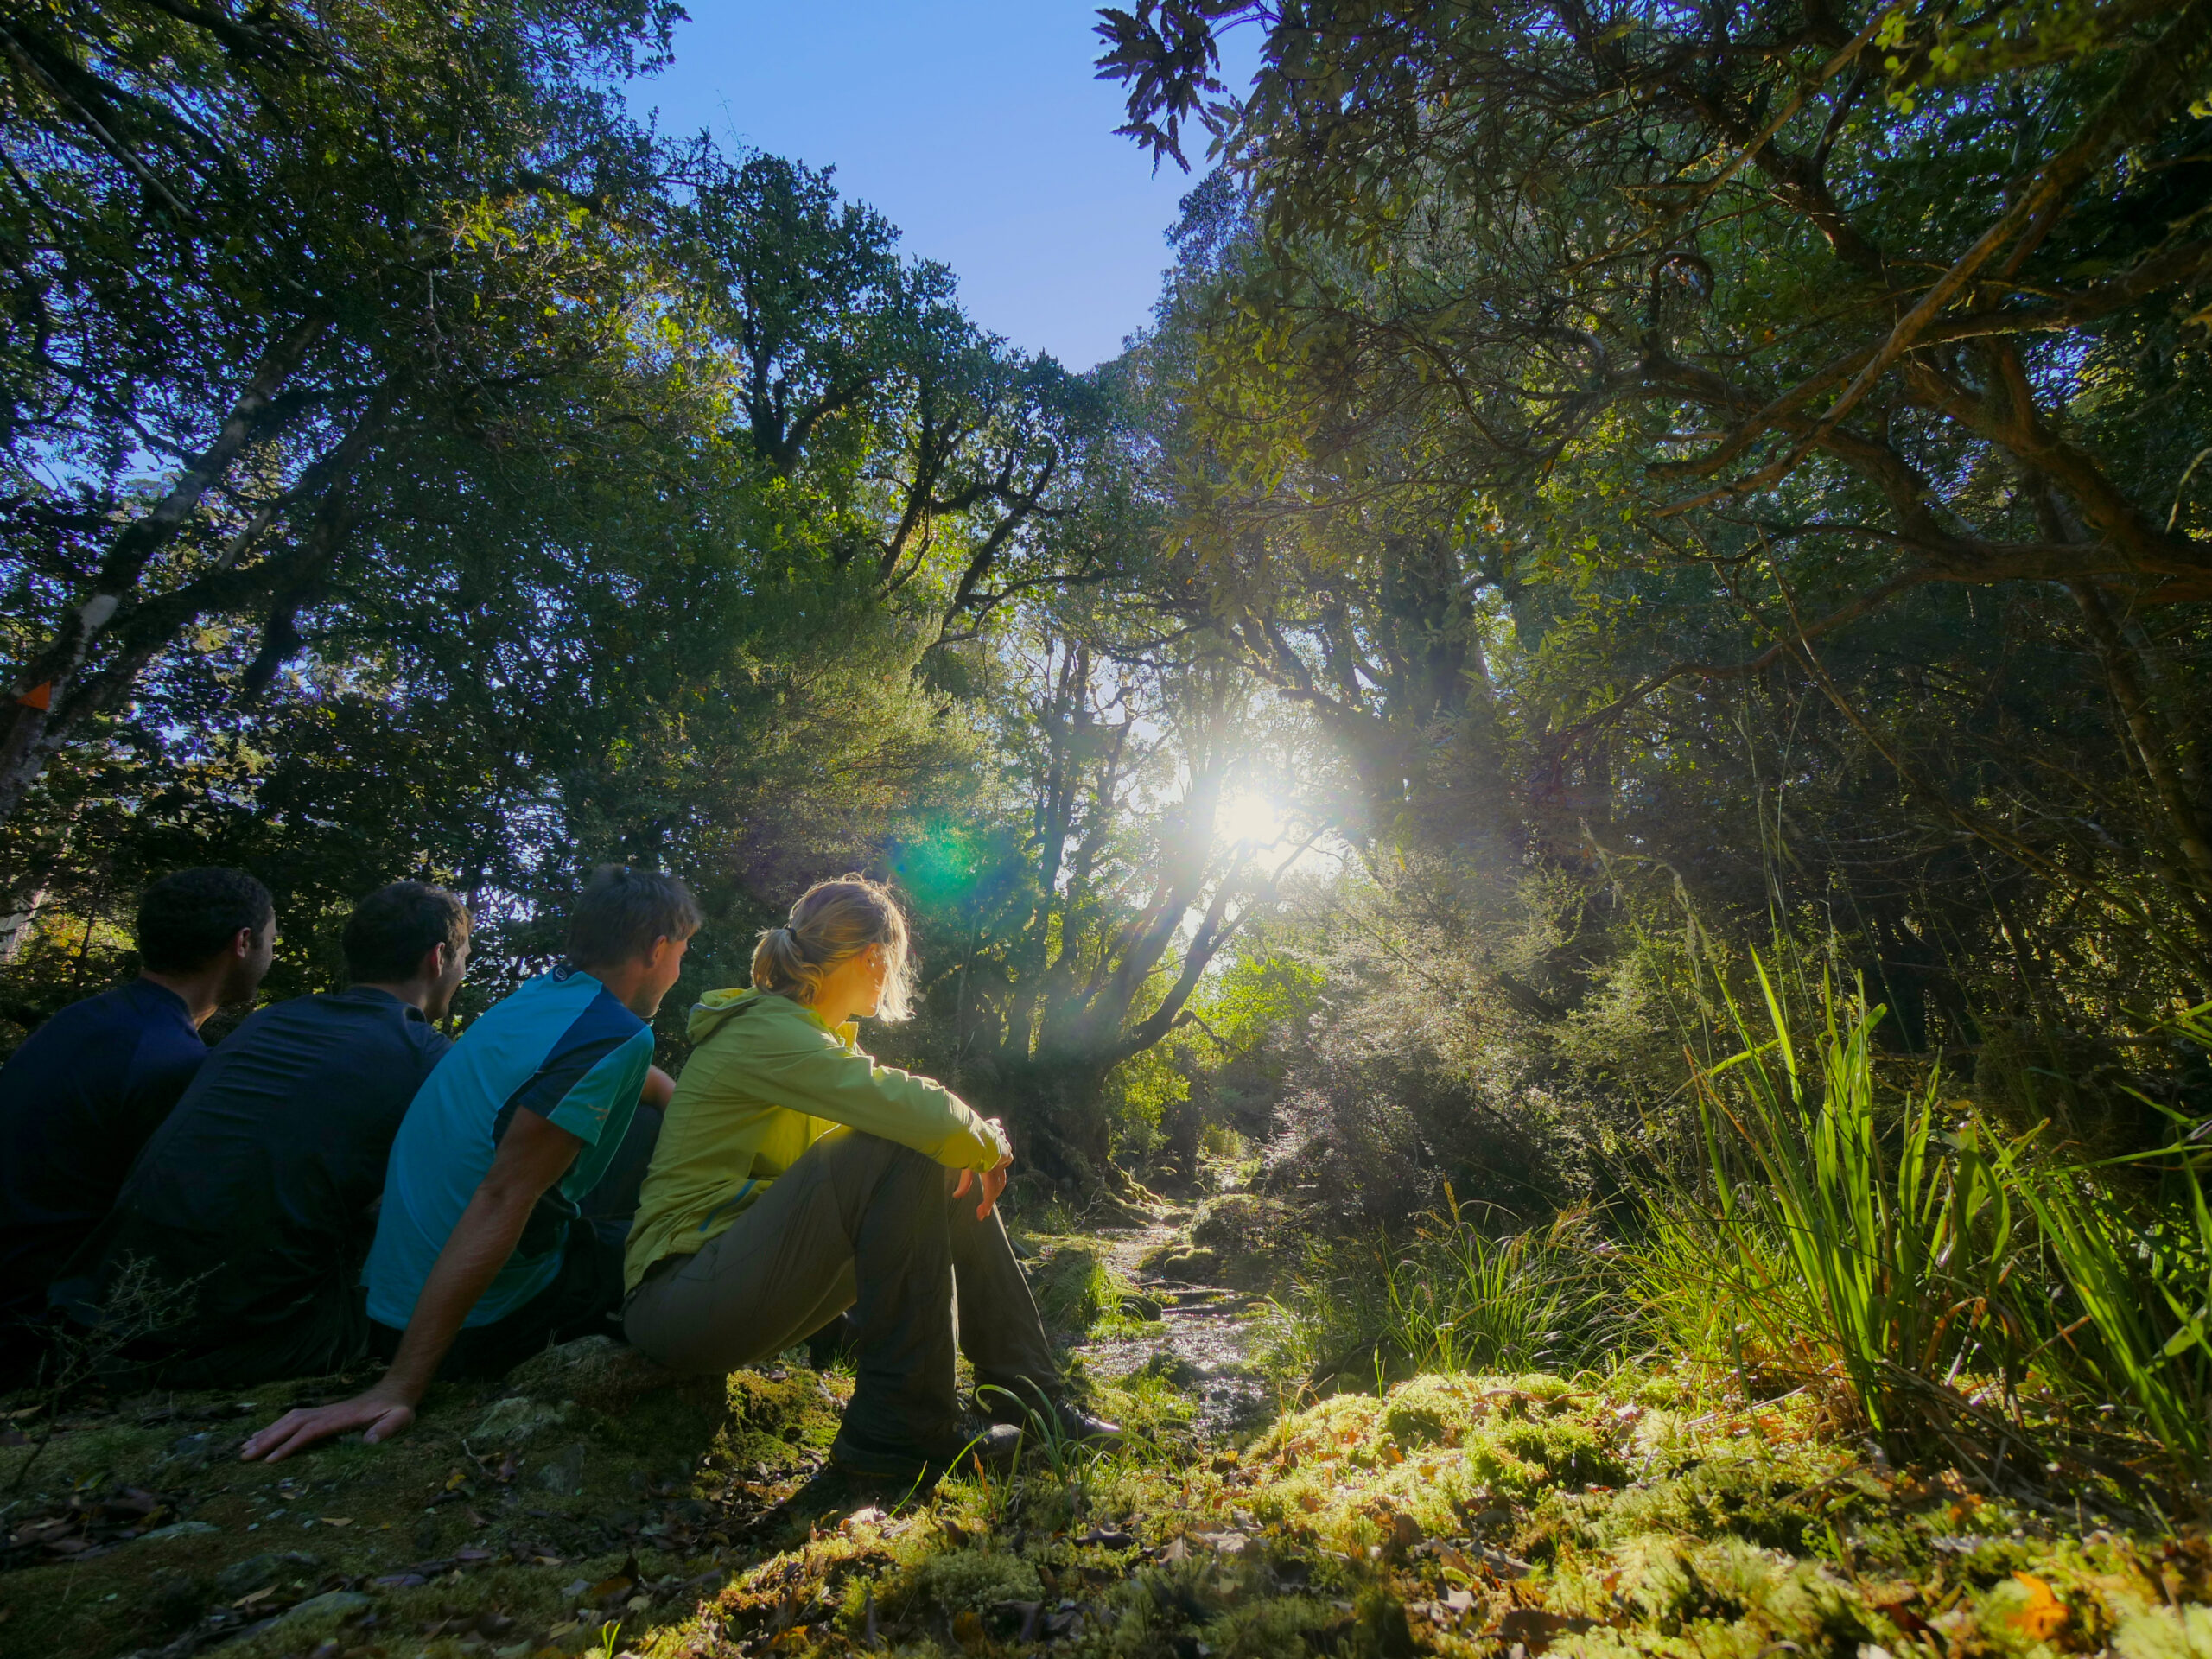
pixel 1203 1335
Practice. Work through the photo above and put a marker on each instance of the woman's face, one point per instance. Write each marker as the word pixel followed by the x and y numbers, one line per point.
pixel 875 973
pixel 854 989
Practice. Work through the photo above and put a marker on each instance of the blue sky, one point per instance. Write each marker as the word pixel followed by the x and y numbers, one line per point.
pixel 973 125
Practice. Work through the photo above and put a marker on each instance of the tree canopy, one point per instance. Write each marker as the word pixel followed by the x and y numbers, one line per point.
pixel 1593 470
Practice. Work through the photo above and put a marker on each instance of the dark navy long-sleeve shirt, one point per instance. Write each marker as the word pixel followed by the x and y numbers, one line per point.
pixel 78 1100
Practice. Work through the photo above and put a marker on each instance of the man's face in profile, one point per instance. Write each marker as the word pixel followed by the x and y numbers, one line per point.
pixel 249 969
pixel 448 984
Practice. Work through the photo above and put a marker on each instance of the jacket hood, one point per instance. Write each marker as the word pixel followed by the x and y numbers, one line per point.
pixel 706 1013
pixel 710 1010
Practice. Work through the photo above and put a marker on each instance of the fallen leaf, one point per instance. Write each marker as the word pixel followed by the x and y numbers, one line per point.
pixel 337 1520
pixel 1533 1628
pixel 967 1630
pixel 2044 1615
pixel 1504 1566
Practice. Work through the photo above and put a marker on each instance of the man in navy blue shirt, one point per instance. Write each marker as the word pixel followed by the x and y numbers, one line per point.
pixel 83 1093
pixel 256 1199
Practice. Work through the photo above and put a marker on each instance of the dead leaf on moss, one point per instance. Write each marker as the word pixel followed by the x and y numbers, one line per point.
pixel 2044 1615
pixel 1536 1628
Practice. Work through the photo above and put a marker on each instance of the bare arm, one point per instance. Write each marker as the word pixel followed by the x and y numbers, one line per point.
pixel 532 1156
pixel 659 1088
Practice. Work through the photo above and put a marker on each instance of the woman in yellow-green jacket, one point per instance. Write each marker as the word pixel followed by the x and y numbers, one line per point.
pixel 796 1178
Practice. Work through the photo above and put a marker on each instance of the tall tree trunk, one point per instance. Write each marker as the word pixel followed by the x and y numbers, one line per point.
pixel 19 908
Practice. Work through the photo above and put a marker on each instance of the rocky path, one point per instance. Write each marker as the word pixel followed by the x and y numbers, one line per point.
pixel 1197 1335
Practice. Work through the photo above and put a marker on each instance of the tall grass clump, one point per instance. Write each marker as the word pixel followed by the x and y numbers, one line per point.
pixel 2139 1282
pixel 1837 1233
pixel 1898 1244
pixel 1464 1293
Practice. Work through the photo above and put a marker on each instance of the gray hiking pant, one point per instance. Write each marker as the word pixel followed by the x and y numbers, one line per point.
pixel 861 1224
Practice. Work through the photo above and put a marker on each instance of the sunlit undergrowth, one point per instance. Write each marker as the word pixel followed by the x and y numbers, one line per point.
pixel 1669 1510
pixel 1961 1292
pixel 1651 1513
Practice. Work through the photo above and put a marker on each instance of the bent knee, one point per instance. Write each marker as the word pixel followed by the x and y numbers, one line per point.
pixel 855 1152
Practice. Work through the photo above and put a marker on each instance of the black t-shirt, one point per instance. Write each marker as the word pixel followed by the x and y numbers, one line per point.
pixel 258 1187
pixel 77 1101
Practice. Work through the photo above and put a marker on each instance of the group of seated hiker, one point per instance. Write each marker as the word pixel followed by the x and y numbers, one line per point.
pixel 335 1181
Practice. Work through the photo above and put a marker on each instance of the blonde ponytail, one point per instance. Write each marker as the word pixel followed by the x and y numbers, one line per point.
pixel 832 923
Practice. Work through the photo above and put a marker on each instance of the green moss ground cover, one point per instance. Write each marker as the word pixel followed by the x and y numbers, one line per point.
pixel 1644 1512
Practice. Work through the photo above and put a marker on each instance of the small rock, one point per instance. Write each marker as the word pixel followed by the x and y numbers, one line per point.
pixel 518 1418
pixel 340 1602
pixel 1188 1266
pixel 565 1474
pixel 259 1572
pixel 181 1530
pixel 606 1376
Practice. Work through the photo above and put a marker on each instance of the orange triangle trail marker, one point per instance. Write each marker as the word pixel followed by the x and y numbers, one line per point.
pixel 39 697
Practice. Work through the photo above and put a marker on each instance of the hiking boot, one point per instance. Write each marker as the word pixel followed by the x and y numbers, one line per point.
pixel 1077 1424
pixel 997 1445
pixel 1064 1417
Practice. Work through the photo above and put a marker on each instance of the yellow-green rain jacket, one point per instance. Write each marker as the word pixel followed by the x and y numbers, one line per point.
pixel 765 1081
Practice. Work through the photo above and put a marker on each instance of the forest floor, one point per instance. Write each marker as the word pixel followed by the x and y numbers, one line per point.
pixel 578 1508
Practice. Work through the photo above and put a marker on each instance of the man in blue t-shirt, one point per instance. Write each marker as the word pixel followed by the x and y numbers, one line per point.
pixel 84 1091
pixel 486 1245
